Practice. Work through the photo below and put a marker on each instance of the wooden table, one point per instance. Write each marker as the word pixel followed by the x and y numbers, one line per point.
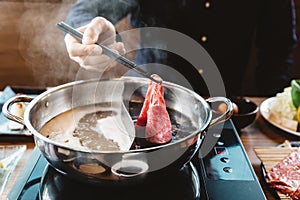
pixel 262 134
pixel 258 134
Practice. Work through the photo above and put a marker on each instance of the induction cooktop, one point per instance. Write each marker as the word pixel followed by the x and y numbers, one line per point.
pixel 220 170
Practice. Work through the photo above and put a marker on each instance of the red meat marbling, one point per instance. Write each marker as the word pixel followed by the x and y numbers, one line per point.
pixel 154 115
pixel 285 176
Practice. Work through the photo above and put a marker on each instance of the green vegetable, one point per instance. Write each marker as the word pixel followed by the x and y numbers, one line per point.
pixel 295 92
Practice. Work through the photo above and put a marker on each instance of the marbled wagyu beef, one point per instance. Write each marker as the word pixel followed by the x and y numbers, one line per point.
pixel 285 176
pixel 154 116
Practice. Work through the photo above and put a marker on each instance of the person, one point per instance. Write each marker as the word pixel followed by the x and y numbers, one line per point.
pixel 225 29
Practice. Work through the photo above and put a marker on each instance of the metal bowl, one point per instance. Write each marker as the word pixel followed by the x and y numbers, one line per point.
pixel 116 167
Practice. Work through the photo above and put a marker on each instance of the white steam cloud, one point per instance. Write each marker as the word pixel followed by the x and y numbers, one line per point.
pixel 42 44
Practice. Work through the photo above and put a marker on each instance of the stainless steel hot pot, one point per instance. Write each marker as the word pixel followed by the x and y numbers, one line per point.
pixel 116 167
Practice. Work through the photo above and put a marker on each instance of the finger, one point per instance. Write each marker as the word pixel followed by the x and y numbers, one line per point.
pixel 91 33
pixel 93 63
pixel 99 30
pixel 71 39
pixel 86 63
pixel 96 60
pixel 93 68
pixel 118 47
pixel 77 49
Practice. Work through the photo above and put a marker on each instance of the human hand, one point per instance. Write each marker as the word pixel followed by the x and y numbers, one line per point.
pixel 88 54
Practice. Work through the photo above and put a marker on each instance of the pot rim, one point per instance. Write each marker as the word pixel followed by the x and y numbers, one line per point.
pixel 43 95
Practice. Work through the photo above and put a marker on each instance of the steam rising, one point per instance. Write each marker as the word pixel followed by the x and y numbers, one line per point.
pixel 42 43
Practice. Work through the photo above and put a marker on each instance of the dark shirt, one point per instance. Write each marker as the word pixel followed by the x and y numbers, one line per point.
pixel 226 29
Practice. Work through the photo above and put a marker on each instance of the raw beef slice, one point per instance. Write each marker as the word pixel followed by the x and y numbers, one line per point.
pixel 285 176
pixel 154 115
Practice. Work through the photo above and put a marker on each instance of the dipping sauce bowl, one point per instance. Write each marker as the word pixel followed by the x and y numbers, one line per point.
pixel 246 112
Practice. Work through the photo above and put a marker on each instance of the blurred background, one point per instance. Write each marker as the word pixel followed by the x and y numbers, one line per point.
pixel 32 50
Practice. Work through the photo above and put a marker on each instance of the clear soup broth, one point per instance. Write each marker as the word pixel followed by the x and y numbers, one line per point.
pixel 80 127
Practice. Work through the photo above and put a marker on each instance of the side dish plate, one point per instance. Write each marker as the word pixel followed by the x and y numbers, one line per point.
pixel 278 122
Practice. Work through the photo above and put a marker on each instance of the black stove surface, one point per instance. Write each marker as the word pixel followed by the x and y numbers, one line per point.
pixel 224 172
pixel 51 184
pixel 183 185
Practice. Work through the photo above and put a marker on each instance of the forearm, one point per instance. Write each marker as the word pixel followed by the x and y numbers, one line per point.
pixel 83 11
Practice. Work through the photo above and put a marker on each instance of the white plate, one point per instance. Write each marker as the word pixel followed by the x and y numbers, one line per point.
pixel 279 122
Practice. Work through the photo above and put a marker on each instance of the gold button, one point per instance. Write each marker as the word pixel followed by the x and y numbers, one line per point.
pixel 203 38
pixel 207 4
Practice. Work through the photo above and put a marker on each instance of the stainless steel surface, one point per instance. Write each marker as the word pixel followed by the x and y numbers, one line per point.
pixel 7 104
pixel 117 167
pixel 224 116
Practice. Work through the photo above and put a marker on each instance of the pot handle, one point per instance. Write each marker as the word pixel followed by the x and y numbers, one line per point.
pixel 6 107
pixel 224 116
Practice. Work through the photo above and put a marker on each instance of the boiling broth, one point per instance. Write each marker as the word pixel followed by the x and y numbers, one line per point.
pixel 78 127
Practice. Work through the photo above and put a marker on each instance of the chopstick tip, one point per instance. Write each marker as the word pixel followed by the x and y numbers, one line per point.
pixel 156 78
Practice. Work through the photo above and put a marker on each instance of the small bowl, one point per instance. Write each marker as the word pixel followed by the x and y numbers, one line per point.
pixel 247 111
